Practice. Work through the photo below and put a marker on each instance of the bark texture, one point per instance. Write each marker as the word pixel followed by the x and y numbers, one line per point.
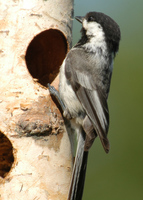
pixel 35 149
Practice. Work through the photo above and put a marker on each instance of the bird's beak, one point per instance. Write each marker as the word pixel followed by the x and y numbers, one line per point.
pixel 79 18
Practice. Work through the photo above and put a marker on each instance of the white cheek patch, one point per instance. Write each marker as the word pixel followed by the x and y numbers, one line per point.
pixel 94 29
pixel 95 33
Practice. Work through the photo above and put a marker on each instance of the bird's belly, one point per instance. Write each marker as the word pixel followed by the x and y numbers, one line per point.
pixel 69 97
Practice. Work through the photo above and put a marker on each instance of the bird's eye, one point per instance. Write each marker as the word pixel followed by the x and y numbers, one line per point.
pixel 91 19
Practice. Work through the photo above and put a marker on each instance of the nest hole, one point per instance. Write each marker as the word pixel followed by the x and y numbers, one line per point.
pixel 45 55
pixel 6 155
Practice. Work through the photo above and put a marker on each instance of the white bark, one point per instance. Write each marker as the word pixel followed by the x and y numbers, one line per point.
pixel 38 166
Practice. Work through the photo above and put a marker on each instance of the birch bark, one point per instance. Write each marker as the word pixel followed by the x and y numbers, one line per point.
pixel 35 149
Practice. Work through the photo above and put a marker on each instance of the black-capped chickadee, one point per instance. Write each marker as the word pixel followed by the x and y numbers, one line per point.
pixel 85 77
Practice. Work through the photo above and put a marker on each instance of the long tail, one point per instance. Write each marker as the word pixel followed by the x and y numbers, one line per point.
pixel 79 170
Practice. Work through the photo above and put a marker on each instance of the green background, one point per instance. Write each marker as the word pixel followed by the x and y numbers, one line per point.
pixel 119 174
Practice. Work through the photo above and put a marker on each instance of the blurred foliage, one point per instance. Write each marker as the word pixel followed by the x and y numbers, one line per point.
pixel 119 175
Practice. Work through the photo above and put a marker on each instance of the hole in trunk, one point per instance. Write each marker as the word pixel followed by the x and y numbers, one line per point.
pixel 6 155
pixel 45 55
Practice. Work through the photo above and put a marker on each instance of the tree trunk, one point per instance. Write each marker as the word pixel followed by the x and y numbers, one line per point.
pixel 35 149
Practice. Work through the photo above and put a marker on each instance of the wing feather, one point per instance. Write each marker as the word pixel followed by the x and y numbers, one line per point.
pixel 87 84
pixel 97 113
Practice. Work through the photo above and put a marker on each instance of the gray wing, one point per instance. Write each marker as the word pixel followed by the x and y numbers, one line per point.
pixel 91 88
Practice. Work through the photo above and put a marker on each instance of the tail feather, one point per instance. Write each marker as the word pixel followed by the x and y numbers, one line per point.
pixel 79 170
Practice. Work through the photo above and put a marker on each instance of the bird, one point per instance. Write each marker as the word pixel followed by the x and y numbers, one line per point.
pixel 84 85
